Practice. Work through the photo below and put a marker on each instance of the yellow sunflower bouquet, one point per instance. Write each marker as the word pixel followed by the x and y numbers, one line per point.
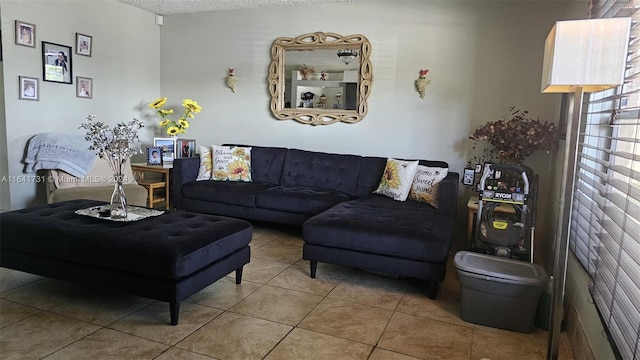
pixel 181 125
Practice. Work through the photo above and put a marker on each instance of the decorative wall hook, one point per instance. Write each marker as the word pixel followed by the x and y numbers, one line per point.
pixel 422 82
pixel 231 80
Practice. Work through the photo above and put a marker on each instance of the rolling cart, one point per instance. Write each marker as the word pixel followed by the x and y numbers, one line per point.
pixel 506 235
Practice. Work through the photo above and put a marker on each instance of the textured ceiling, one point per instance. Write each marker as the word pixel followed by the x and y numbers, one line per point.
pixel 168 7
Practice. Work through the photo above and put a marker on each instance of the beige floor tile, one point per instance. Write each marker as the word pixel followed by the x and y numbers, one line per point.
pixel 309 345
pixel 99 307
pixel 44 294
pixel 153 322
pixel 258 243
pixel 446 306
pixel 275 251
pixel 261 271
pixel 179 354
pixel 329 271
pixel 110 344
pixel 370 289
pixel 297 277
pixel 41 335
pixel 497 344
pixel 278 304
pixel 11 279
pixel 235 336
pixel 347 320
pixel 426 339
pixel 11 312
pixel 224 293
pixel 382 354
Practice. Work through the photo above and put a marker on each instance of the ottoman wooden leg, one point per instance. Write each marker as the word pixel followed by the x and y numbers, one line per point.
pixel 174 309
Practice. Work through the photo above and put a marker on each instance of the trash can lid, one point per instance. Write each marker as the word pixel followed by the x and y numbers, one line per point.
pixel 502 268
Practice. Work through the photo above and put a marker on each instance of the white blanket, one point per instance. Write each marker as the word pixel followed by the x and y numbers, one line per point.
pixel 69 153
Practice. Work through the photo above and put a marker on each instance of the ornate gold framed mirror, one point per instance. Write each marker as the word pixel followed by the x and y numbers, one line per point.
pixel 320 78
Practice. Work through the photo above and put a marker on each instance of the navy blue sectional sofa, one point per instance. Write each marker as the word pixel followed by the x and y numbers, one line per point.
pixel 331 197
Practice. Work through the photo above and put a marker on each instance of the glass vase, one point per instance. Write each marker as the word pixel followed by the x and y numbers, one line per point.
pixel 118 201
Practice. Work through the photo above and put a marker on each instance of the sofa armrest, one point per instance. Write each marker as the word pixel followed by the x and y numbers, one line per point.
pixel 184 170
pixel 448 197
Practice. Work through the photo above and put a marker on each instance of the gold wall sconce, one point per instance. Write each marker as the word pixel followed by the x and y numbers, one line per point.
pixel 231 80
pixel 422 82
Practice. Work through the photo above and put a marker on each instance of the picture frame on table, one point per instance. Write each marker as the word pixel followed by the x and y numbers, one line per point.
pixel 478 168
pixel 84 87
pixel 57 64
pixel 29 88
pixel 168 146
pixel 84 44
pixel 185 148
pixel 25 34
pixel 469 176
pixel 154 156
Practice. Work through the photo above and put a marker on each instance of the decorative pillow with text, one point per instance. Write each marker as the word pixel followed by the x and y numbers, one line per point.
pixel 426 184
pixel 204 172
pixel 231 163
pixel 397 179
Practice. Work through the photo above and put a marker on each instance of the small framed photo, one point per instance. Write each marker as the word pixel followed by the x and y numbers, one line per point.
pixel 25 34
pixel 469 175
pixel 478 168
pixel 168 146
pixel 83 44
pixel 154 155
pixel 56 63
pixel 185 148
pixel 497 174
pixel 29 88
pixel 84 87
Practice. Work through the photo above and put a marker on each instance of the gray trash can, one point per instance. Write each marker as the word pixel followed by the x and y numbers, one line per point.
pixel 499 292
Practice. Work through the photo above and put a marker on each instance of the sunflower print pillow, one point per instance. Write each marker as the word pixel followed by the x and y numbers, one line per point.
pixel 397 179
pixel 231 163
pixel 204 172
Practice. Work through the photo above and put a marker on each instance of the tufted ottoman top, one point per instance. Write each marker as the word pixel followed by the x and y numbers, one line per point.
pixel 170 246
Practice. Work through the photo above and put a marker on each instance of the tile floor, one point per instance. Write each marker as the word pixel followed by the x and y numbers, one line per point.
pixel 278 312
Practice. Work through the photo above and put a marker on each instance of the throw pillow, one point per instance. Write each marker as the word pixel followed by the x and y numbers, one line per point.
pixel 397 179
pixel 231 163
pixel 426 184
pixel 204 172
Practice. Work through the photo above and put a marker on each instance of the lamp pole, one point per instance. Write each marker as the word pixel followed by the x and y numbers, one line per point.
pixel 563 229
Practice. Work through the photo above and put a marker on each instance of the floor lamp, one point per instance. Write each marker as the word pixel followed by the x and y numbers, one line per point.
pixel 579 56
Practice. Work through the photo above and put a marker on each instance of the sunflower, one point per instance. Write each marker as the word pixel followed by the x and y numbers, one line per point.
pixel 158 103
pixel 238 170
pixel 391 177
pixel 220 175
pixel 173 130
pixel 191 106
pixel 165 122
pixel 183 124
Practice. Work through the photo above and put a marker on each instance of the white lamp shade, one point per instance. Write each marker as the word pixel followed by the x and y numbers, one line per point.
pixel 585 53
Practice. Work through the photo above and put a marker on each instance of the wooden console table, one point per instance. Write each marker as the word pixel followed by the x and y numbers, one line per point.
pixel 153 184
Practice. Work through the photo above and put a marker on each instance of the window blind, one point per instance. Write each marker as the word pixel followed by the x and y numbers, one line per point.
pixel 605 222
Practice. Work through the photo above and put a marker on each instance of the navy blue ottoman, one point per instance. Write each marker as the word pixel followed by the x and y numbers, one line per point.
pixel 168 257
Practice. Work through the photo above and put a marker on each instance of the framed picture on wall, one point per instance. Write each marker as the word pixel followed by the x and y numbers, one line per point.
pixel 84 87
pixel 25 34
pixel 56 63
pixel 29 88
pixel 83 44
pixel 168 146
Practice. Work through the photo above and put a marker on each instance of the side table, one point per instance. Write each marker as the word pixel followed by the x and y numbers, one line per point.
pixel 139 169
pixel 472 206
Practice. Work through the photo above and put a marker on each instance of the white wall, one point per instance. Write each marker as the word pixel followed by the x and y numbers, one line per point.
pixel 125 68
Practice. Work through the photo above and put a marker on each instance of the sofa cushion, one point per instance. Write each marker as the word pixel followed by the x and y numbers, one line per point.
pixel 426 184
pixel 321 171
pixel 225 192
pixel 397 178
pixel 298 199
pixel 204 171
pixel 379 225
pixel 231 163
